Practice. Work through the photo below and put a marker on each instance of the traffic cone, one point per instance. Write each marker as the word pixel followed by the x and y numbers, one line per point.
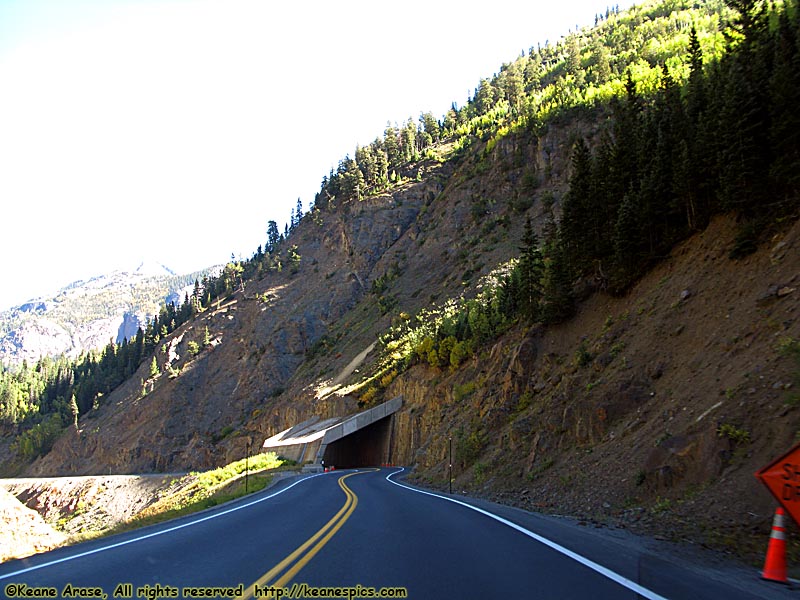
pixel 775 564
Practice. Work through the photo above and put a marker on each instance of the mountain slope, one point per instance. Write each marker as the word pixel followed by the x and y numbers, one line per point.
pixel 652 410
pixel 646 408
pixel 85 315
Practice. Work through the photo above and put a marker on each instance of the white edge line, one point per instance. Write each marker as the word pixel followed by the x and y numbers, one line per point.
pixel 606 572
pixel 154 533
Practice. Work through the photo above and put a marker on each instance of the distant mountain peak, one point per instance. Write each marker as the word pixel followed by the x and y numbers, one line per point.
pixel 87 313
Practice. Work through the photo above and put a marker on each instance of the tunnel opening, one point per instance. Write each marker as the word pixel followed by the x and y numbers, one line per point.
pixel 368 446
pixel 360 440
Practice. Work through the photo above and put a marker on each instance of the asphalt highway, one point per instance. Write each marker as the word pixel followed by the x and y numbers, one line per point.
pixel 364 533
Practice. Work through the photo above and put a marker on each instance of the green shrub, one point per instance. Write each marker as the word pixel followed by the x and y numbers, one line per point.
pixel 38 440
pixel 733 433
pixel 463 391
pixel 582 355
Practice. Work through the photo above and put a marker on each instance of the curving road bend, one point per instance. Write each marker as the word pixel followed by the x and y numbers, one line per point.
pixel 363 533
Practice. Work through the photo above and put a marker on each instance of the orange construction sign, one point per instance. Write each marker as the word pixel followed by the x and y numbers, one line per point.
pixel 782 478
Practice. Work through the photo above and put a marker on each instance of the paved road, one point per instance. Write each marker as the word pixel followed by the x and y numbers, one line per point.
pixel 364 531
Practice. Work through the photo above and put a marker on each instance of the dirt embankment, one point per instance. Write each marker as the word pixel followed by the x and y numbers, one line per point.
pixel 40 514
pixel 23 531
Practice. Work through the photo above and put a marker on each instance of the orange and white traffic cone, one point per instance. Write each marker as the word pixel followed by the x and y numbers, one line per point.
pixel 775 564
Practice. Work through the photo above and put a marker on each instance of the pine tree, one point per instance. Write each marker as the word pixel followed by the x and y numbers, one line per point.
pixel 604 197
pixel 696 170
pixel 73 409
pixel 628 243
pixel 745 144
pixel 430 126
pixel 485 97
pixel 531 273
pixel 273 236
pixel 784 96
pixel 558 303
pixel 154 371
pixel 576 230
pixel 573 62
pixel 353 185
pixel 627 150
pixel 381 166
pixel 138 345
pixel 665 128
pixel 391 145
pixel 408 141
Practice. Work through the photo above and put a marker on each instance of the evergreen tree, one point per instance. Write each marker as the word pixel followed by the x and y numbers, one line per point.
pixel 531 273
pixel 513 87
pixel 745 149
pixel 391 145
pixel 664 215
pixel 138 345
pixel 605 202
pixel 784 94
pixel 485 97
pixel 558 303
pixel 573 63
pixel 408 141
pixel 381 166
pixel 601 68
pixel 629 243
pixel 696 169
pixel 273 236
pixel 430 126
pixel 73 409
pixel 577 233
pixel 628 151
pixel 197 295
pixel 352 181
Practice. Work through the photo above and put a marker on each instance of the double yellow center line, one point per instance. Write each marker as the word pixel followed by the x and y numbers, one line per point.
pixel 292 564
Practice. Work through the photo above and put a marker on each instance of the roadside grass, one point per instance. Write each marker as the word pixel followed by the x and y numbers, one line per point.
pixel 194 492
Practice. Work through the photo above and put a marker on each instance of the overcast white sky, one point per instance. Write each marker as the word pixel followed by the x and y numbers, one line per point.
pixel 173 130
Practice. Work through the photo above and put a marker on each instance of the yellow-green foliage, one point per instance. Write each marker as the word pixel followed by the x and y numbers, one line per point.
pixel 198 491
pixel 388 378
pixel 734 433
pixel 369 395
pixel 38 439
pixel 259 462
pixel 462 391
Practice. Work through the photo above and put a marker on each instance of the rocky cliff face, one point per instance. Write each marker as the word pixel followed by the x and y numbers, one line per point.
pixel 247 382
